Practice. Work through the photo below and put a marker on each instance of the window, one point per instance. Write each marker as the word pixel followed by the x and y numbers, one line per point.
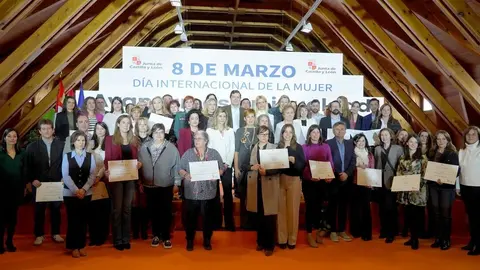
pixel 427 106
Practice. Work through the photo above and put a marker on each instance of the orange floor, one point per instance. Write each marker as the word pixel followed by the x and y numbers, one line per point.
pixel 237 251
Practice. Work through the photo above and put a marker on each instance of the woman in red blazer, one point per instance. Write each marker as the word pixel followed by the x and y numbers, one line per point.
pixel 121 146
pixel 361 217
pixel 185 140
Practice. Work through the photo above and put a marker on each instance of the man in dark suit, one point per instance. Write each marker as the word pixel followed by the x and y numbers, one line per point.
pixel 344 164
pixel 334 117
pixel 235 111
pixel 368 119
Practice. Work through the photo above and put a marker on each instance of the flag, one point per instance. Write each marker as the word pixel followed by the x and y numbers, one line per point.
pixel 80 96
pixel 60 96
pixel 70 93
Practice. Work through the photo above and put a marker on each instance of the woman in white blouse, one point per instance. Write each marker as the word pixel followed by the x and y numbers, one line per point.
pixel 303 119
pixel 222 139
pixel 288 115
pixel 116 110
pixel 99 208
pixel 469 159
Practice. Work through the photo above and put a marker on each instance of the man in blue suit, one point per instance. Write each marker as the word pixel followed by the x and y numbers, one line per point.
pixel 373 104
pixel 344 162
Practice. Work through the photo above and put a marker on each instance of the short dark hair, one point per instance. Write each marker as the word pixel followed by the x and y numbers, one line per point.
pixel 157 126
pixel 358 137
pixel 334 101
pixel 338 124
pixel 174 101
pixel 315 101
pixel 235 92
pixel 373 99
pixel 44 122
pixel 167 95
pixel 74 138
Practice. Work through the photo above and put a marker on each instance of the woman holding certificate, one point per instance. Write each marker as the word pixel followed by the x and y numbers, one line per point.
pixel 222 139
pixel 290 188
pixel 12 186
pixel 387 155
pixel 78 172
pixel 263 188
pixel 442 195
pixel 470 186
pixel 314 189
pixel 159 173
pixel 413 162
pixel 199 194
pixel 122 146
pixel 362 194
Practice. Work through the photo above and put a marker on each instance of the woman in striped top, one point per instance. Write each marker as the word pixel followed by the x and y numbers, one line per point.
pixel 89 109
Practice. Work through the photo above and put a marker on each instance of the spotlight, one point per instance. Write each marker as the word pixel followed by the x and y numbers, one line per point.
pixel 178 29
pixel 176 3
pixel 183 37
pixel 307 28
pixel 289 47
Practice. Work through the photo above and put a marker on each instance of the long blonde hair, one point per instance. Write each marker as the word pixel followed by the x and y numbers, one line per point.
pixel 205 106
pixel 163 110
pixel 344 107
pixel 141 119
pixel 117 136
pixel 215 119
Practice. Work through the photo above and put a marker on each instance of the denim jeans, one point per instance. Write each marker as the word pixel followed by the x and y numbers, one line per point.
pixel 122 198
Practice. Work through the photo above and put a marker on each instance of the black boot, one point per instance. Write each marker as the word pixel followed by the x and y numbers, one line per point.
pixel 414 244
pixel 207 244
pixel 10 246
pixel 445 245
pixel 469 246
pixel 189 245
pixel 475 251
pixel 408 243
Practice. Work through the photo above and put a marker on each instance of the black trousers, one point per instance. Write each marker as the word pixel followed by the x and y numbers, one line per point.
pixel 140 219
pixel 430 218
pixel 414 215
pixel 471 198
pixel 314 194
pixel 159 205
pixel 442 201
pixel 39 219
pixel 226 179
pixel 77 215
pixel 8 221
pixel 247 219
pixel 360 213
pixel 195 208
pixel 266 225
pixel 387 202
pixel 338 198
pixel 99 215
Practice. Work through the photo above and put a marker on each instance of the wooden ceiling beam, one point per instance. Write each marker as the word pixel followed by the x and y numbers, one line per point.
pixel 31 48
pixel 401 61
pixel 235 13
pixel 434 50
pixel 240 11
pixel 14 11
pixel 349 65
pixel 370 63
pixel 90 62
pixel 62 58
pixel 463 17
pixel 223 43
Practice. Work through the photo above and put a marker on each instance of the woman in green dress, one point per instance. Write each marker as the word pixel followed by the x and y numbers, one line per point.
pixel 12 186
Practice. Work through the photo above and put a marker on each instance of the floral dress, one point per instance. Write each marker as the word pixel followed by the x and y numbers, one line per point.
pixel 410 167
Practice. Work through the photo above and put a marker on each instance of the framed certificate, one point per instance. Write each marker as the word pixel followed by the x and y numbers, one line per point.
pixel 122 170
pixel 160 119
pixel 49 192
pixel 440 171
pixel 274 159
pixel 204 170
pixel 406 183
pixel 321 169
pixel 369 177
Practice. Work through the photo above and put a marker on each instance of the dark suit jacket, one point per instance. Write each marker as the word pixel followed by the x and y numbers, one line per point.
pixel 326 123
pixel 392 124
pixel 62 128
pixel 114 151
pixel 37 163
pixel 349 160
pixel 228 108
pixel 367 122
pixel 359 123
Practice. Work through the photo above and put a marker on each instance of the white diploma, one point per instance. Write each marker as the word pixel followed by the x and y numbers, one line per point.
pixel 321 169
pixel 369 177
pixel 122 170
pixel 370 134
pixel 50 192
pixel 274 159
pixel 406 183
pixel 160 119
pixel 447 173
pixel 330 134
pixel 204 170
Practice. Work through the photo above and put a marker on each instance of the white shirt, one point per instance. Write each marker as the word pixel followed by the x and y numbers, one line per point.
pixel 304 129
pixel 110 119
pixel 298 132
pixel 469 159
pixel 235 117
pixel 384 124
pixel 318 116
pixel 224 144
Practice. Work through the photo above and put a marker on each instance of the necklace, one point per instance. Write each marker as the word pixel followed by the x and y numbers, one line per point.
pixel 246 137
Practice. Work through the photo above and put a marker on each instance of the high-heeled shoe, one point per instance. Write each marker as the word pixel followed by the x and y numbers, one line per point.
pixel 436 244
pixel 445 245
pixel 469 246
pixel 475 251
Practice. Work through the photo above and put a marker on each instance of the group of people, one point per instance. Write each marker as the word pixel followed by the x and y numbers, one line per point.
pixel 76 148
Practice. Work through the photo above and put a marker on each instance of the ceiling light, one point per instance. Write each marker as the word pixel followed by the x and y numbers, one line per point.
pixel 183 37
pixel 289 47
pixel 176 3
pixel 178 29
pixel 307 28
